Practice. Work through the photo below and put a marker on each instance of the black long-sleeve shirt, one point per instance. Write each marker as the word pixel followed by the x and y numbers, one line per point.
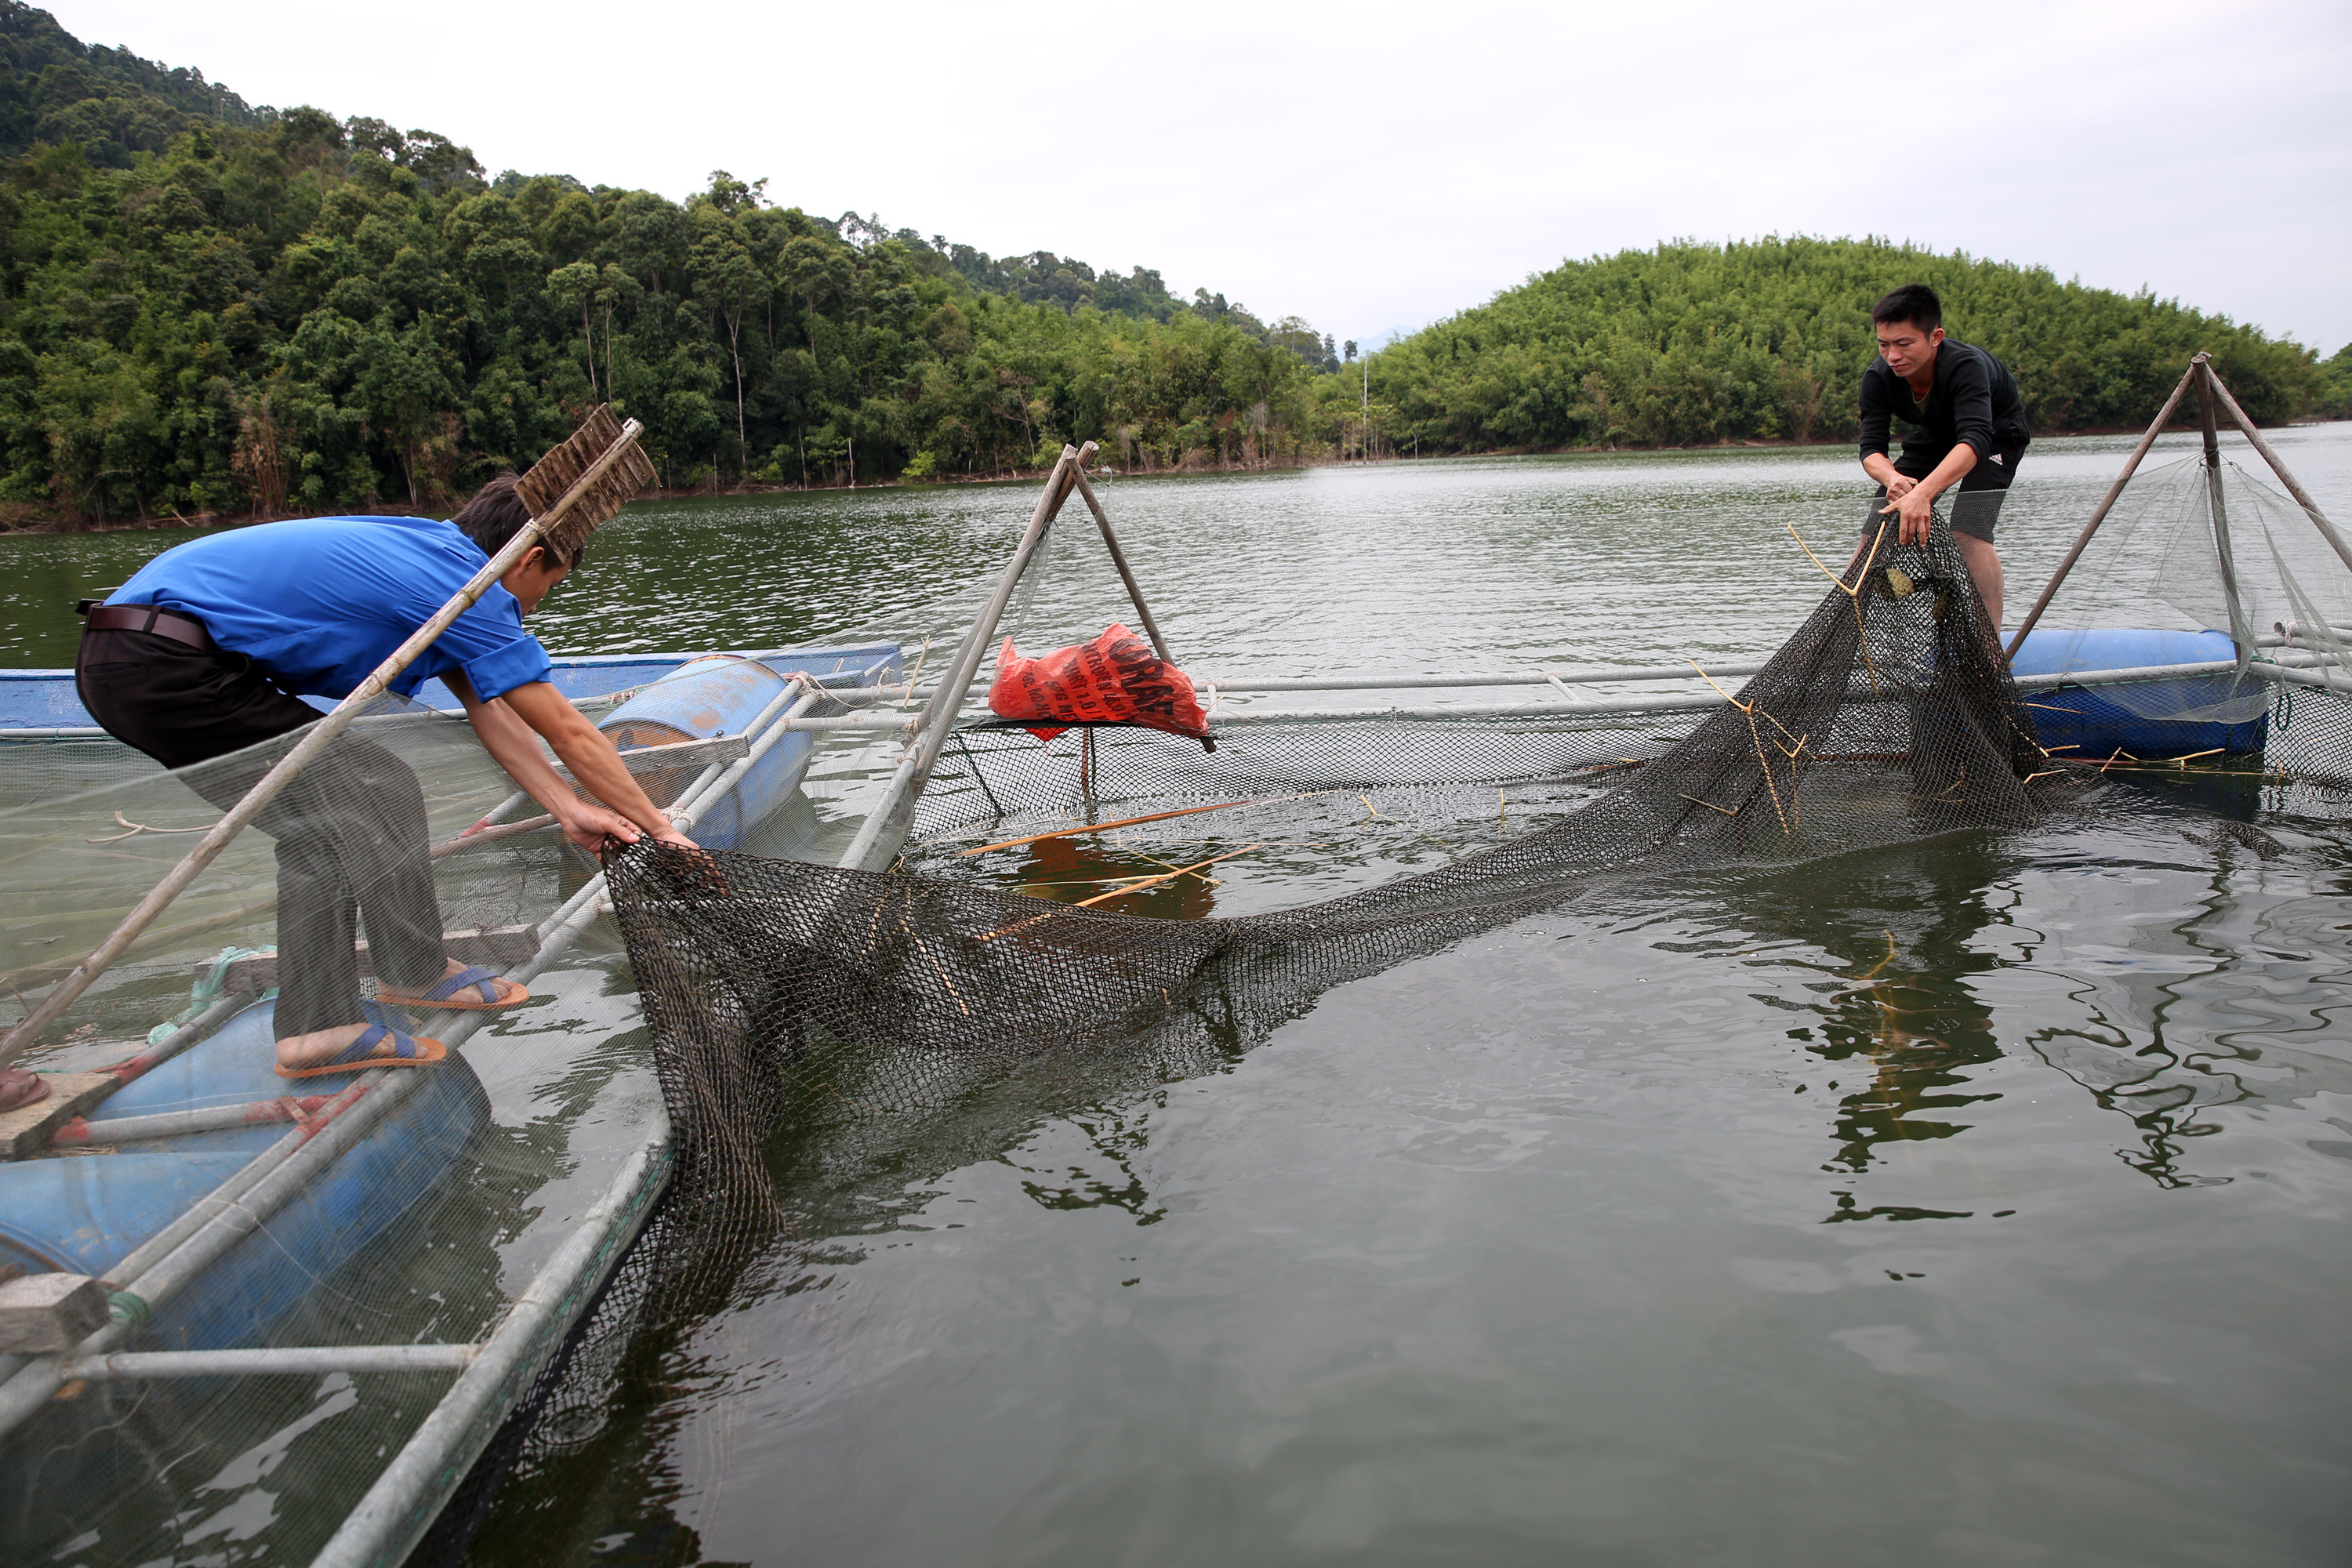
pixel 1973 402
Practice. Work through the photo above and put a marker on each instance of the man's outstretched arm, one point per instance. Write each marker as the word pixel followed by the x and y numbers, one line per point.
pixel 506 726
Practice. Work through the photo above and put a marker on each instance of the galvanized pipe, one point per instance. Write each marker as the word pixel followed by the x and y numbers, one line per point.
pixel 1684 703
pixel 124 1366
pixel 181 1039
pixel 1599 674
pixel 83 1133
pixel 410 1492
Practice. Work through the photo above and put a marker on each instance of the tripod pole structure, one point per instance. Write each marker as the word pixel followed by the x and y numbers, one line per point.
pixel 2278 466
pixel 1126 574
pixel 2106 504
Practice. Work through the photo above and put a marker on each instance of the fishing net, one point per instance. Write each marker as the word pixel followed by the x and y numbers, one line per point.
pixel 861 1001
pixel 2235 556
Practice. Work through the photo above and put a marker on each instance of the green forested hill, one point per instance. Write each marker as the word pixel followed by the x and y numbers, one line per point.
pixel 110 103
pixel 1695 343
pixel 277 311
pixel 210 308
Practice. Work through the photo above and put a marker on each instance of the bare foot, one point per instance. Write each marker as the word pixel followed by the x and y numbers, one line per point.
pixel 324 1046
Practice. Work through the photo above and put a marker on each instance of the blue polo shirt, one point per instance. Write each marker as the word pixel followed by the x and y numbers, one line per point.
pixel 318 603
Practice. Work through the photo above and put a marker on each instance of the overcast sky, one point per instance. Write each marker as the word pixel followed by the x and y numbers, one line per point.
pixel 1374 167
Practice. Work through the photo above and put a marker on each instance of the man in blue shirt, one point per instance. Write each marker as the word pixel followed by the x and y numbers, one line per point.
pixel 204 654
pixel 1968 430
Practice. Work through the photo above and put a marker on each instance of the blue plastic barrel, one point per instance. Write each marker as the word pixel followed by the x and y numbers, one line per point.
pixel 711 698
pixel 2098 721
pixel 84 1213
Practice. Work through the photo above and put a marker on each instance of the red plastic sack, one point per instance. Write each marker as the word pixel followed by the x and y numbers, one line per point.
pixel 1116 678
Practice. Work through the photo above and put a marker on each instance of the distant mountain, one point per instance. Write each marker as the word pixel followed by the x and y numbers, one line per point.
pixel 109 102
pixel 1692 344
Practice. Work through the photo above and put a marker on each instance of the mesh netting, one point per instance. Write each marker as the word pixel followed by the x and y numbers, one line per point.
pixel 830 995
pixel 427 1214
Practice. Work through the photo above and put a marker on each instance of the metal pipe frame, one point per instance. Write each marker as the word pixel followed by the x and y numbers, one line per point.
pixel 412 1490
pixel 1598 707
pixel 161 1265
pixel 125 1366
pixel 1589 675
pixel 84 1133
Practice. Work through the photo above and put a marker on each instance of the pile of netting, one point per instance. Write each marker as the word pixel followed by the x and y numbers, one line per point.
pixel 777 989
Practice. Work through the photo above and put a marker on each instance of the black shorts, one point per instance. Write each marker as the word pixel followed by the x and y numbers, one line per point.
pixel 1975 501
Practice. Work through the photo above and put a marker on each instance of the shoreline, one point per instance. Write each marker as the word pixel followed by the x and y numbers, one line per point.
pixel 10 528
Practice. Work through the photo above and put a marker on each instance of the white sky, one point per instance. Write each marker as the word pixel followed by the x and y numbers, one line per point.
pixel 1376 167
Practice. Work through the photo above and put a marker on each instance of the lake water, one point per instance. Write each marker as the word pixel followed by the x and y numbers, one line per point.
pixel 1978 1201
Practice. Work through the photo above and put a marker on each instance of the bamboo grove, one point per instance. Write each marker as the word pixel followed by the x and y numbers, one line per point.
pixel 212 309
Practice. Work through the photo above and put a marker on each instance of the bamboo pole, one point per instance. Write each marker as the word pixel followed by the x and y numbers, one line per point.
pixel 1125 576
pixel 316 739
pixel 2278 466
pixel 2218 511
pixel 2106 504
pixel 1122 822
pixel 1140 883
pixel 877 840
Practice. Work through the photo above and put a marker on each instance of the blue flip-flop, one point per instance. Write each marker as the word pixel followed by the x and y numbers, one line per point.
pixel 445 995
pixel 407 1051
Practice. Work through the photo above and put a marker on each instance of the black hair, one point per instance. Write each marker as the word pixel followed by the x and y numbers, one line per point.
pixel 497 514
pixel 1913 302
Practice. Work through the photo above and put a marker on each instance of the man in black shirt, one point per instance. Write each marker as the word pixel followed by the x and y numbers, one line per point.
pixel 1967 428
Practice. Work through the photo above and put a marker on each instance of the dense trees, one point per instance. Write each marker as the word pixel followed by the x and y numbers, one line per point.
pixel 206 307
pixel 1691 342
pixel 110 103
pixel 309 314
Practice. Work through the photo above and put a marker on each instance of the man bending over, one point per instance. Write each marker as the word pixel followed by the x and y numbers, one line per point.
pixel 1968 430
pixel 203 655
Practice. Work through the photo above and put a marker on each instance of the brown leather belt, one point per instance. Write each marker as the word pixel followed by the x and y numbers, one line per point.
pixel 148 618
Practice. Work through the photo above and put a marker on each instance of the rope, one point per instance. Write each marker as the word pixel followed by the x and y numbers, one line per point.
pixel 205 992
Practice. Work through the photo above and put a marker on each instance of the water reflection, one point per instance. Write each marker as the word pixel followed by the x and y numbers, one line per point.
pixel 1897 1010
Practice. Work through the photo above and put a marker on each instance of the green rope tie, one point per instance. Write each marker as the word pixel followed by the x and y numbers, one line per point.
pixel 131 1311
pixel 202 994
